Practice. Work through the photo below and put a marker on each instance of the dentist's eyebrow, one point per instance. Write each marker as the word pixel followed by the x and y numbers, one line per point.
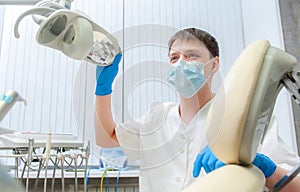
pixel 174 52
pixel 192 51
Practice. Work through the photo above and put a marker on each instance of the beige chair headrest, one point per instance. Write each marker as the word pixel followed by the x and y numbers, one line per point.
pixel 242 107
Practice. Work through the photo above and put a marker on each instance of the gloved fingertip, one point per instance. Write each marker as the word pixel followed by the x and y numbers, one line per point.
pixel 205 163
pixel 196 170
pixel 219 164
pixel 198 164
pixel 196 173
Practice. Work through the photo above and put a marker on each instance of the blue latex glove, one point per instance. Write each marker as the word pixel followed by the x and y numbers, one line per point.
pixel 265 164
pixel 105 76
pixel 209 162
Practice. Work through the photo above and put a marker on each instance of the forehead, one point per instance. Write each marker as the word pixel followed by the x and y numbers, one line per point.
pixel 185 45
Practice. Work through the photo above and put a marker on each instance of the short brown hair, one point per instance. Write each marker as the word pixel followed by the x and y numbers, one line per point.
pixel 192 33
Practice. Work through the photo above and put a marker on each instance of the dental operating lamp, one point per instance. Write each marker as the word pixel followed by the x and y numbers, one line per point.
pixel 71 32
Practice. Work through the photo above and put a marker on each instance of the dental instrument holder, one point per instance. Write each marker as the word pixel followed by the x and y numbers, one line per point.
pixel 240 114
pixel 7 101
pixel 29 159
pixel 72 33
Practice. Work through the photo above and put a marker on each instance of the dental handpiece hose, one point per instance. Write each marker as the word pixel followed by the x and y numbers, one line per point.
pixel 286 179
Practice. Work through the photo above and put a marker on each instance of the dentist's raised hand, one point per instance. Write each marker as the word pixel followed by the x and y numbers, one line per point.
pixel 105 76
pixel 210 162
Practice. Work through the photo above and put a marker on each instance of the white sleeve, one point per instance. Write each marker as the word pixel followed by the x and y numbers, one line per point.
pixel 128 135
pixel 275 147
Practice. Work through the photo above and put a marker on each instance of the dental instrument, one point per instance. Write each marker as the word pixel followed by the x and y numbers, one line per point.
pixel 29 159
pixel 85 155
pixel 53 175
pixel 44 162
pixel 61 157
pixel 8 100
pixel 38 174
pixel 75 157
pixel 46 157
pixel 71 32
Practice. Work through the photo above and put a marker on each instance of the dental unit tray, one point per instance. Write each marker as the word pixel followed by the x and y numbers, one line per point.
pixel 72 33
pixel 20 140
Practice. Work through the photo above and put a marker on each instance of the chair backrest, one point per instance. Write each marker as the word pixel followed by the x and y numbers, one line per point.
pixel 242 107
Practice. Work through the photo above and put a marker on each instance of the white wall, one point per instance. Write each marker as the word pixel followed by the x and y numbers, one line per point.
pixel 60 91
pixel 1 24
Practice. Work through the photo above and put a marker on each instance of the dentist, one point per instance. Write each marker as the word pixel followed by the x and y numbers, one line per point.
pixel 169 137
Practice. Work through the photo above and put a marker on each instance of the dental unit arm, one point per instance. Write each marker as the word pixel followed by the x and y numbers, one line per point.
pixel 7 101
pixel 240 114
pixel 71 32
pixel 292 83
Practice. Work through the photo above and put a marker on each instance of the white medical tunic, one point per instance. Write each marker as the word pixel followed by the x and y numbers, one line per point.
pixel 165 146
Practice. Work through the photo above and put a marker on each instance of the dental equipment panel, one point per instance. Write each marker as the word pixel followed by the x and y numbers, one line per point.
pixel 59 149
pixel 71 32
pixel 240 114
pixel 20 139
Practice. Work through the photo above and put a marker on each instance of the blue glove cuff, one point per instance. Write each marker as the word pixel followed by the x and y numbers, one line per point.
pixel 103 89
pixel 265 164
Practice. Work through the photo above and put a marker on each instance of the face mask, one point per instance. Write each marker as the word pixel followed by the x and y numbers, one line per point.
pixel 187 77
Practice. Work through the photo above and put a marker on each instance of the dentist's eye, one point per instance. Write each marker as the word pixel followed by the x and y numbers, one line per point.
pixel 193 56
pixel 173 59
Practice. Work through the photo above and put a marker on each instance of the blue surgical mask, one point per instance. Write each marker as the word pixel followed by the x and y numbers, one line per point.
pixel 187 77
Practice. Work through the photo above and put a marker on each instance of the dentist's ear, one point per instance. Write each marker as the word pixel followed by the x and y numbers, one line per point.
pixel 215 64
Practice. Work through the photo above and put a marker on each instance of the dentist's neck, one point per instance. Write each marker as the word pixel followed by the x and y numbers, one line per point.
pixel 188 107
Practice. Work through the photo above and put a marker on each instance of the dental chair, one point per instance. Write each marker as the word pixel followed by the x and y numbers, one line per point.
pixel 240 115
